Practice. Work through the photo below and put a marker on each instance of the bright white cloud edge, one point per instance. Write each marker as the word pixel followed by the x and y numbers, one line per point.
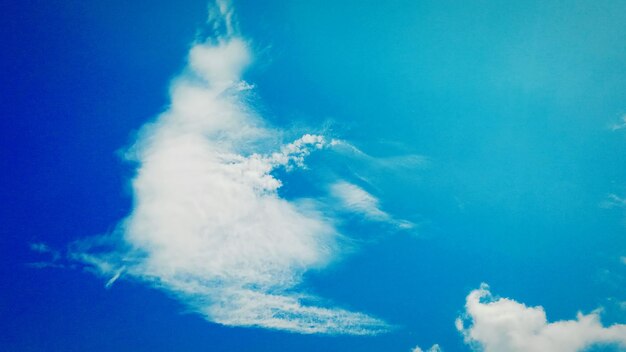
pixel 357 200
pixel 208 226
pixel 504 325
pixel 433 348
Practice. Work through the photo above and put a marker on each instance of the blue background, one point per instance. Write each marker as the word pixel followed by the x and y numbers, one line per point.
pixel 511 103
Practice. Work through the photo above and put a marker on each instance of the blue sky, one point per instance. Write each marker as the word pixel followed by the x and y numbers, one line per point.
pixel 310 176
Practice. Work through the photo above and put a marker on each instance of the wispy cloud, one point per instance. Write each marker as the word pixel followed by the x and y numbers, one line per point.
pixel 40 247
pixel 613 201
pixel 620 125
pixel 54 257
pixel 396 162
pixel 355 199
pixel 504 325
pixel 208 225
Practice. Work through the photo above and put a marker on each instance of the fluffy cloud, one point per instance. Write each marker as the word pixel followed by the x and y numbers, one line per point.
pixel 433 348
pixel 208 225
pixel 504 325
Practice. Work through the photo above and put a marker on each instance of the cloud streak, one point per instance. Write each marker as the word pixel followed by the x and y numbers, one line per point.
pixel 504 325
pixel 356 200
pixel 613 201
pixel 208 225
pixel 619 126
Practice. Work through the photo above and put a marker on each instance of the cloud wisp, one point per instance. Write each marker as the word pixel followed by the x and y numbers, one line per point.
pixel 55 259
pixel 504 325
pixel 619 126
pixel 355 199
pixel 208 226
pixel 613 201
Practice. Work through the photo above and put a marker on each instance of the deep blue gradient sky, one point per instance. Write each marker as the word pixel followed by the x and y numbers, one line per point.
pixel 509 104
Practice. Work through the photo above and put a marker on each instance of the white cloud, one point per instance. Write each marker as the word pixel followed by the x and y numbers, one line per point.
pixel 358 200
pixel 355 199
pixel 613 201
pixel 54 257
pixel 620 125
pixel 208 225
pixel 44 248
pixel 433 348
pixel 504 325
pixel 395 163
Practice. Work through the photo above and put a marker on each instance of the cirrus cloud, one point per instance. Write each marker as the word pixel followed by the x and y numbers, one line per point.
pixel 355 199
